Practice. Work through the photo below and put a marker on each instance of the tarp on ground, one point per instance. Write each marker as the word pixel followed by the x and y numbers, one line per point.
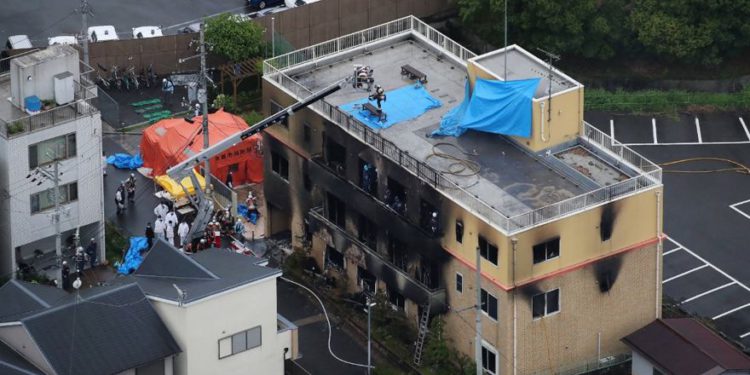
pixel 402 104
pixel 125 161
pixel 175 190
pixel 133 258
pixel 494 107
pixel 171 141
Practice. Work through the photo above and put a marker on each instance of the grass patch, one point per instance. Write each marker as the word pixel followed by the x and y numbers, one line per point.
pixel 665 102
pixel 115 243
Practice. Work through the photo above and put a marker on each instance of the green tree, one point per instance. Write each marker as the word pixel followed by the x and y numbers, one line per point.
pixel 233 38
pixel 440 356
pixel 692 31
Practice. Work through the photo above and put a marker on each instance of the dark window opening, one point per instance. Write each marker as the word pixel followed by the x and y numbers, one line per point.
pixel 306 132
pixel 487 250
pixel 427 273
pixel 306 182
pixel 368 177
pixel 45 152
pixel 545 303
pixel 45 200
pixel 459 231
pixel 368 232
pixel 459 282
pixel 396 299
pixel 366 280
pixel 334 258
pixel 280 165
pixel 275 108
pixel 335 156
pixel 429 217
pixel 489 361
pixel 547 250
pixel 335 210
pixel 489 304
pixel 395 196
pixel 397 254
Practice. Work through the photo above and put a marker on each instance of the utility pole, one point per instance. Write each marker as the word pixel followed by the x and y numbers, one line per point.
pixel 85 9
pixel 550 57
pixel 505 55
pixel 203 98
pixel 478 339
pixel 273 36
pixel 41 174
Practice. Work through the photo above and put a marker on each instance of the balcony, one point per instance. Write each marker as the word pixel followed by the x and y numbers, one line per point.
pixel 408 286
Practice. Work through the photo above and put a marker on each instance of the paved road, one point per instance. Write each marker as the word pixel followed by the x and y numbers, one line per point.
pixel 707 215
pixel 40 19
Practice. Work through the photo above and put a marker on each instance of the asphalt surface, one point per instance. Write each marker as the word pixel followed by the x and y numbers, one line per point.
pixel 41 19
pixel 707 255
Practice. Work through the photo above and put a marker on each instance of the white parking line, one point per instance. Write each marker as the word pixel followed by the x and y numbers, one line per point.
pixel 742 336
pixel 672 251
pixel 653 128
pixel 684 273
pixel 688 143
pixel 698 130
pixel 747 133
pixel 734 207
pixel 730 311
pixel 693 298
pixel 717 269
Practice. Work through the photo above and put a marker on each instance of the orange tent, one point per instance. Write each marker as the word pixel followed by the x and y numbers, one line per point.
pixel 171 141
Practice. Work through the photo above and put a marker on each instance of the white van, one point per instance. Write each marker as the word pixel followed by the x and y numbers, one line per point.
pixel 18 42
pixel 102 33
pixel 147 32
pixel 62 39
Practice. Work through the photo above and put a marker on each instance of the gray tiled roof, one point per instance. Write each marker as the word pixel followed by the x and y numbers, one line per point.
pixel 11 363
pixel 229 270
pixel 26 299
pixel 104 330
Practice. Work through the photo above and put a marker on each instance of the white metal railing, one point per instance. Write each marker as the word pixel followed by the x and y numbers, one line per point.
pixel 649 174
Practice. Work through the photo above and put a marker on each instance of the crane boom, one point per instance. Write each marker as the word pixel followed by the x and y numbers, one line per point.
pixel 203 204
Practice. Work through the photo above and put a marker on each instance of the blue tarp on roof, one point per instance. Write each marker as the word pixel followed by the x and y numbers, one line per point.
pixel 402 104
pixel 133 258
pixel 495 107
pixel 125 161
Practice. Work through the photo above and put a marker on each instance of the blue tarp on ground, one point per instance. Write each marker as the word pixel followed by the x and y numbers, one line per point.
pixel 495 107
pixel 133 257
pixel 125 161
pixel 244 211
pixel 400 105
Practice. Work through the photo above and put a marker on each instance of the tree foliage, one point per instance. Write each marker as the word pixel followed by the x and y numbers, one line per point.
pixel 233 38
pixel 692 31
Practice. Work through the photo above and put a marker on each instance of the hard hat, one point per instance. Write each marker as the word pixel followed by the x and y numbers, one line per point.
pixel 65 263
pixel 132 175
pixel 92 239
pixel 434 214
pixel 164 80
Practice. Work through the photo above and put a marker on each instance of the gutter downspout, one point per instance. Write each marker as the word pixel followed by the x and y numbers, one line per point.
pixel 541 126
pixel 514 243
pixel 658 253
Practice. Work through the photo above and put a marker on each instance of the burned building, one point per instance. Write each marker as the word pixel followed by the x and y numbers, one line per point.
pixel 566 221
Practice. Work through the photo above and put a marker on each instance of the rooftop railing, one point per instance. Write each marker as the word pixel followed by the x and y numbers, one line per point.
pixel 648 174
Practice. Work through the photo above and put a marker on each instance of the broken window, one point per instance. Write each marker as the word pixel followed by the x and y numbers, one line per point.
pixel 366 281
pixel 429 217
pixel 335 156
pixel 276 108
pixel 459 282
pixel 395 196
pixel 334 258
pixel 396 299
pixel 427 273
pixel 368 232
pixel 336 210
pixel 306 132
pixel 545 303
pixel 546 250
pixel 280 165
pixel 397 254
pixel 368 177
pixel 459 231
pixel 489 304
pixel 487 250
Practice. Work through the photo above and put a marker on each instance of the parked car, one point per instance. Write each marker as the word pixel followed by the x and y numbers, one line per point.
pixel 18 42
pixel 192 28
pixel 102 33
pixel 147 32
pixel 262 4
pixel 62 39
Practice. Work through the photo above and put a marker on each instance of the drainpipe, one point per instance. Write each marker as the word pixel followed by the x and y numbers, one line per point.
pixel 514 243
pixel 658 252
pixel 541 127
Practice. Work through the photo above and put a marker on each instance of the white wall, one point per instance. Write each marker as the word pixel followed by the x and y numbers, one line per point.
pixel 641 366
pixel 6 259
pixel 197 327
pixel 42 67
pixel 85 168
pixel 19 339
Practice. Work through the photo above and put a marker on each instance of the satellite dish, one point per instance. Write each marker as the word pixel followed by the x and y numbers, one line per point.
pixel 77 283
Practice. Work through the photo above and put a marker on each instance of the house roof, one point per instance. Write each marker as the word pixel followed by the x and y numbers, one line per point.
pixel 12 363
pixel 685 346
pixel 104 330
pixel 201 275
pixel 27 298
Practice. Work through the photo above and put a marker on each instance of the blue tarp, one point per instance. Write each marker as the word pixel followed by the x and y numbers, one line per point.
pixel 495 107
pixel 125 161
pixel 244 211
pixel 133 257
pixel 400 105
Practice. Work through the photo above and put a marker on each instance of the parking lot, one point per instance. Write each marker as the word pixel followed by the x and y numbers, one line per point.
pixel 706 209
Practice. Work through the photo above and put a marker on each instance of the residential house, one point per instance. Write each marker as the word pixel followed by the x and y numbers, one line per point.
pixel 566 223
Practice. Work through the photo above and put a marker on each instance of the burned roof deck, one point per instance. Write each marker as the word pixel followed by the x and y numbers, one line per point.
pixel 510 179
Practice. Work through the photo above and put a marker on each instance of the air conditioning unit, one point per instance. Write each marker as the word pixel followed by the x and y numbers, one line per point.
pixel 64 88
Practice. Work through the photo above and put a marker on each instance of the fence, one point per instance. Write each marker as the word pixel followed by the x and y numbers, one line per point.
pixel 649 174
pixel 589 366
